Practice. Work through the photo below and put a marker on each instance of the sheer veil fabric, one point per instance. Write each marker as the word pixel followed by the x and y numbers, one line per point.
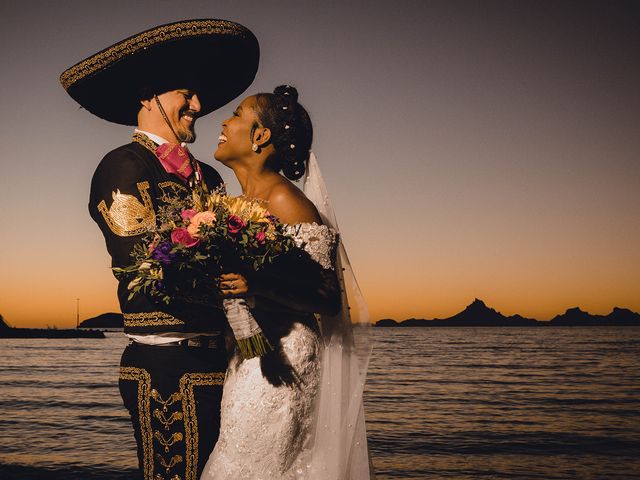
pixel 339 450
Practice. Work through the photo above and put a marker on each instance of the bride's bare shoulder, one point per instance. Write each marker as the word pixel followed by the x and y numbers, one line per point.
pixel 290 205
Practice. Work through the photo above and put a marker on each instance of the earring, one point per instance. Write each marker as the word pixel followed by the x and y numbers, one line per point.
pixel 254 147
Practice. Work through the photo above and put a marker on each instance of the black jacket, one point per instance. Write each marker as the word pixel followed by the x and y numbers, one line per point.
pixel 127 188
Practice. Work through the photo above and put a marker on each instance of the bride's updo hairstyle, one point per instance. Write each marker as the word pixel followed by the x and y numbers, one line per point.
pixel 291 130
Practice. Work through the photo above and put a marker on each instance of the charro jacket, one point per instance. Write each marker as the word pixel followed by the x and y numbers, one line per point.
pixel 127 188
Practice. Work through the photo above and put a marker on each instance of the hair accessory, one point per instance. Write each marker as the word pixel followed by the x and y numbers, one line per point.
pixel 292 146
pixel 286 127
pixel 254 147
pixel 284 108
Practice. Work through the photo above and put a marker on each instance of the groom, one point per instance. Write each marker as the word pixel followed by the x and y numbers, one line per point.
pixel 162 80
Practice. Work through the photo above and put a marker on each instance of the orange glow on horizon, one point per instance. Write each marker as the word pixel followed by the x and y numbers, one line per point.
pixel 52 302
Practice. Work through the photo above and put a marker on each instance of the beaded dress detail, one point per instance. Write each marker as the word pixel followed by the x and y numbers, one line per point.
pixel 266 429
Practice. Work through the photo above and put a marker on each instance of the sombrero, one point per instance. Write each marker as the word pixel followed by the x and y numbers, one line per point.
pixel 218 59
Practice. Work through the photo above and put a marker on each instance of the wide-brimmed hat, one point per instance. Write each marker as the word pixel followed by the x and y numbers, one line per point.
pixel 218 59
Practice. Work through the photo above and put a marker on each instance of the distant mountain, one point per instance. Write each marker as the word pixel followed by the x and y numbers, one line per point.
pixel 477 314
pixel 386 322
pixel 617 317
pixel 624 316
pixel 105 320
pixel 574 316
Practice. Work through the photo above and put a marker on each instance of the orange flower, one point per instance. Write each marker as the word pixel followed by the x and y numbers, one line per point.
pixel 206 218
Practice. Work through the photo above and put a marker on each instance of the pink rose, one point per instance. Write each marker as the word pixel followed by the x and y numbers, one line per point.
pixel 260 237
pixel 206 218
pixel 235 224
pixel 188 214
pixel 182 236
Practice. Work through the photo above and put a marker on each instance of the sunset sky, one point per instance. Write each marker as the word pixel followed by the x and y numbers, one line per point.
pixel 485 149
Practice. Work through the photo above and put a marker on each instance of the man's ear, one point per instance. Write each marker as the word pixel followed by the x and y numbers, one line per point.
pixel 262 136
pixel 146 104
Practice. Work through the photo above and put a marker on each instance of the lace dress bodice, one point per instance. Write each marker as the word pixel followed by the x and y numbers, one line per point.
pixel 319 241
pixel 268 402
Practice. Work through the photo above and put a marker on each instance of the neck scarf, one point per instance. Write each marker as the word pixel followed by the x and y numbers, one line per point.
pixel 174 158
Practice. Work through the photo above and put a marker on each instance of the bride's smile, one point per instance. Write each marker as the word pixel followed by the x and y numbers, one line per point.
pixel 237 136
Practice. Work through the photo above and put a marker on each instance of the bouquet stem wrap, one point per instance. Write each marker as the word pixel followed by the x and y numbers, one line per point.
pixel 248 334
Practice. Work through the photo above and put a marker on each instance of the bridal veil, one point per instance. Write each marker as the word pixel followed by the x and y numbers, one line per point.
pixel 339 450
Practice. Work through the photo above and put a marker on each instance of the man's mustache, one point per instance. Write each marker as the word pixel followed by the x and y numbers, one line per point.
pixel 193 114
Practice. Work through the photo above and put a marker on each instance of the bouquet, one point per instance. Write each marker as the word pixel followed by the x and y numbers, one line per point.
pixel 198 238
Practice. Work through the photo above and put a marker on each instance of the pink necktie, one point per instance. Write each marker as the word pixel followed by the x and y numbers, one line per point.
pixel 175 159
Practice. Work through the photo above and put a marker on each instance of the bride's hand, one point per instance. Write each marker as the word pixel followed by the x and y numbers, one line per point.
pixel 232 285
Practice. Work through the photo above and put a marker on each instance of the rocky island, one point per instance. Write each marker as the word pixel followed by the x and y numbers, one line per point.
pixel 477 314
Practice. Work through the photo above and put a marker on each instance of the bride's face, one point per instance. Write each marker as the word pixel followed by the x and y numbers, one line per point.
pixel 235 140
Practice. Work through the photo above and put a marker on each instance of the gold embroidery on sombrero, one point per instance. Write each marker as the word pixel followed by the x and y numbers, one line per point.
pixel 187 383
pixel 127 216
pixel 145 40
pixel 143 378
pixel 148 319
pixel 145 141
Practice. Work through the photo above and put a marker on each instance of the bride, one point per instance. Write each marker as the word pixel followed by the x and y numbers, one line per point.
pixel 296 412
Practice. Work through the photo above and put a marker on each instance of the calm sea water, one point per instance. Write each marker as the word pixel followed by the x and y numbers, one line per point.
pixel 441 403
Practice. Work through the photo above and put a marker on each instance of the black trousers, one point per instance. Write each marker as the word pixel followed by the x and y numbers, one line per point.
pixel 173 395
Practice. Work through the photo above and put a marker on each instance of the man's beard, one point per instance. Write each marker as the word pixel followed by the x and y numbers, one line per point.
pixel 186 135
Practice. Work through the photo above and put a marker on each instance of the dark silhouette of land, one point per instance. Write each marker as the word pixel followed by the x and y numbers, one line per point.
pixel 6 331
pixel 477 314
pixel 105 320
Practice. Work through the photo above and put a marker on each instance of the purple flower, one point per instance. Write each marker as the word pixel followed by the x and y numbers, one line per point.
pixel 162 253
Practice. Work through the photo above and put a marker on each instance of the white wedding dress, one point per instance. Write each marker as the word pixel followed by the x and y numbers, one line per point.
pixel 265 430
pixel 313 429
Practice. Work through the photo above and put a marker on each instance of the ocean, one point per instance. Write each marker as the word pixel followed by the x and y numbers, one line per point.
pixel 441 403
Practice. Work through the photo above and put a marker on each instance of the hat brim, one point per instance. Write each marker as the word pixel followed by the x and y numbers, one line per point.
pixel 217 59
